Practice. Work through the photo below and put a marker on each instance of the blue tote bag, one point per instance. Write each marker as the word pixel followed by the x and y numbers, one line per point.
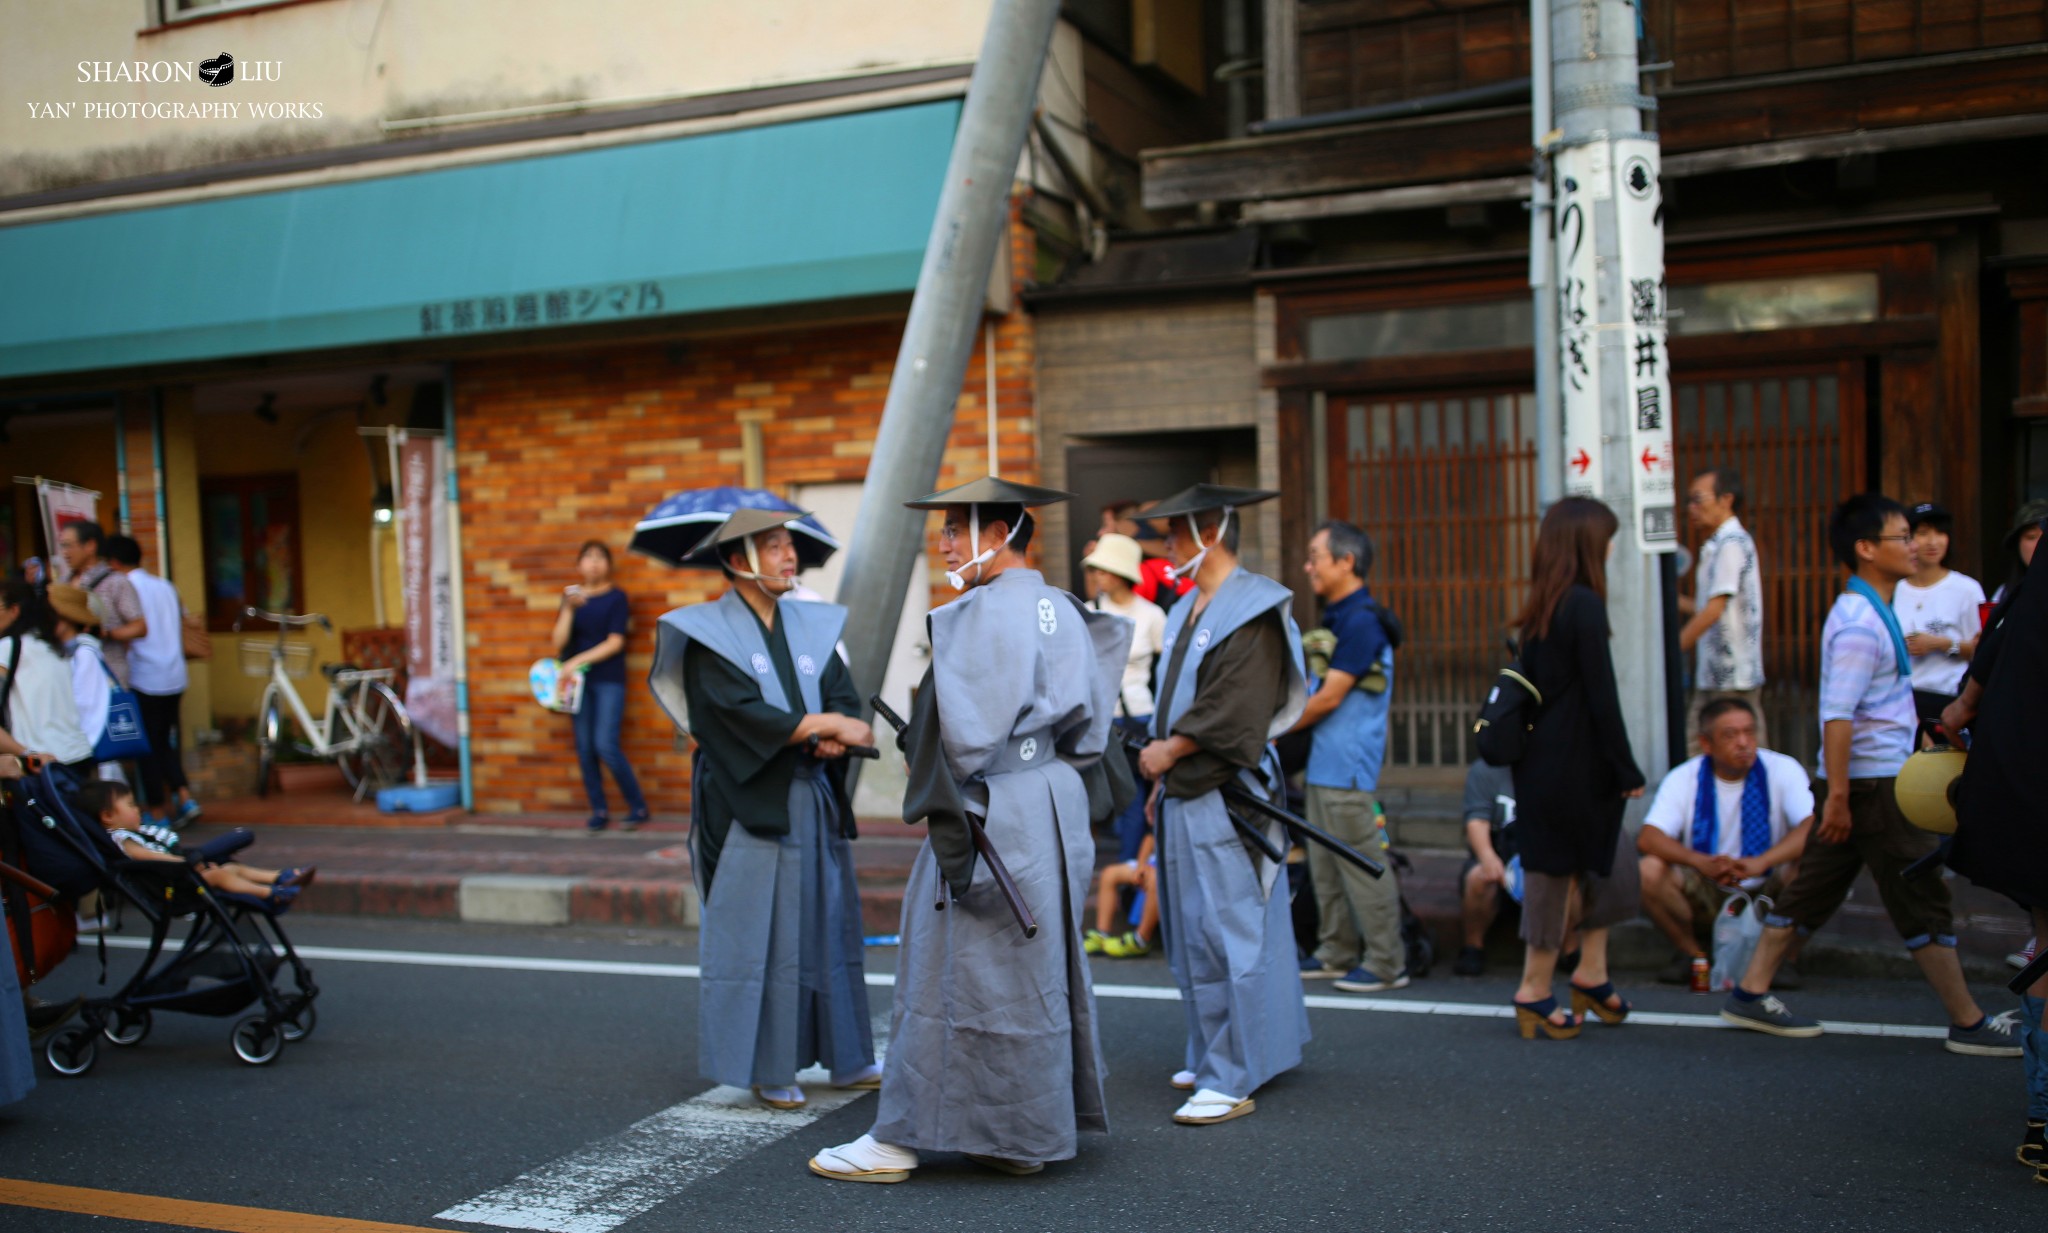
pixel 124 738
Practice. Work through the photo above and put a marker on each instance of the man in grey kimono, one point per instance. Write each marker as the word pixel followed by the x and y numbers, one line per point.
pixel 755 681
pixel 993 1048
pixel 1229 679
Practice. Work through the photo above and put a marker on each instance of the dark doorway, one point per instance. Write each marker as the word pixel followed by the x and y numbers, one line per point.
pixel 1103 470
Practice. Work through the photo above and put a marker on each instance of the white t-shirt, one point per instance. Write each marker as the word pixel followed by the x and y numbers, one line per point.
pixel 1147 639
pixel 91 687
pixel 156 661
pixel 1731 650
pixel 1791 803
pixel 1948 609
pixel 43 714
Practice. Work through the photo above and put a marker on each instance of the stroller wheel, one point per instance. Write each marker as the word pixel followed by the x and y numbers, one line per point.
pixel 128 1026
pixel 299 1026
pixel 72 1051
pixel 257 1040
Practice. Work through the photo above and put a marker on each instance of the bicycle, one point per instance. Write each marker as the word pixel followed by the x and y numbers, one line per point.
pixel 365 728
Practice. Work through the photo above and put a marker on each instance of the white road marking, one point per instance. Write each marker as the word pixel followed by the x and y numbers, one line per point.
pixel 1140 993
pixel 602 1186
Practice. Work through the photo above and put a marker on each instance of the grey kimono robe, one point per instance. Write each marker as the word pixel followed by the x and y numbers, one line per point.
pixel 993 1046
pixel 1224 911
pixel 780 947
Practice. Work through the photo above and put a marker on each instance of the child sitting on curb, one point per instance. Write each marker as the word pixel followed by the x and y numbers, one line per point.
pixel 1142 873
pixel 114 805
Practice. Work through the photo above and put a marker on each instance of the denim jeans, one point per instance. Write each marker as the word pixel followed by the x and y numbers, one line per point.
pixel 1130 824
pixel 597 741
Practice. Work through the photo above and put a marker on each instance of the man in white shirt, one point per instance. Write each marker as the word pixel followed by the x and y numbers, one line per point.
pixel 1113 570
pixel 1938 609
pixel 156 672
pixel 1758 811
pixel 1727 625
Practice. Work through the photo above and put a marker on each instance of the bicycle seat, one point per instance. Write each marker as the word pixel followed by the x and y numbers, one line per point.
pixel 333 671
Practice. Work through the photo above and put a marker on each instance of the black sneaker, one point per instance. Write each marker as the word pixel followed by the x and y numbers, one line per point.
pixel 1768 1014
pixel 1471 961
pixel 1994 1037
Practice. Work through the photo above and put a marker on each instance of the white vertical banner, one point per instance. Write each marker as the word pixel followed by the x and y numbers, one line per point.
pixel 63 504
pixel 1639 212
pixel 429 589
pixel 1583 178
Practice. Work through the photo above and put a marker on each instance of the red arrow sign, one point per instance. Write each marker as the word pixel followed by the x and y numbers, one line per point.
pixel 1649 460
pixel 1582 463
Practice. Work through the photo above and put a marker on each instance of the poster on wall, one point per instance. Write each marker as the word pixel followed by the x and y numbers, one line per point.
pixel 64 504
pixel 429 588
pixel 1582 181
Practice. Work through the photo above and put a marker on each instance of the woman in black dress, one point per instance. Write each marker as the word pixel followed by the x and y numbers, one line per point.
pixel 1573 778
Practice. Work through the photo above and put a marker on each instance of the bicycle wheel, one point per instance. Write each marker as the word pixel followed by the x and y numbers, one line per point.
pixel 381 750
pixel 269 738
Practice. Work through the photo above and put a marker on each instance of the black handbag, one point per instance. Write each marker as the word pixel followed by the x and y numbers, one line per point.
pixel 1507 717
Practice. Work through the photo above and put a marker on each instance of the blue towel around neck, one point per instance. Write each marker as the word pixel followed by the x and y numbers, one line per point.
pixel 1756 812
pixel 1890 619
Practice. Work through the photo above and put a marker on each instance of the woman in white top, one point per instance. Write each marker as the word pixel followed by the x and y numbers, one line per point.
pixel 91 680
pixel 42 716
pixel 1938 611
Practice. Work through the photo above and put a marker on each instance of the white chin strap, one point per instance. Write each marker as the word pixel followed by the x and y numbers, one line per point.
pixel 1187 568
pixel 957 579
pixel 779 582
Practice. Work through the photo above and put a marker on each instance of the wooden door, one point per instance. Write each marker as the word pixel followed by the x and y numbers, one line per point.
pixel 1445 483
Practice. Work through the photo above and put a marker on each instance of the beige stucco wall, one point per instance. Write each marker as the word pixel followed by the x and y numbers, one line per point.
pixel 367 61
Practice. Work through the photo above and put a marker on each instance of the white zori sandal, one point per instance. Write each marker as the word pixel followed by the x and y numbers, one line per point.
pixel 1184 1080
pixel 791 1097
pixel 1209 1106
pixel 865 1160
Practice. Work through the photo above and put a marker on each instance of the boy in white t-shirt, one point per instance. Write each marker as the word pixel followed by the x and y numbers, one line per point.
pixel 1938 610
pixel 1693 859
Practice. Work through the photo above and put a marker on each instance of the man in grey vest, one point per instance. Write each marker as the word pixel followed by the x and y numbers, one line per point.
pixel 1229 680
pixel 993 1049
pixel 754 679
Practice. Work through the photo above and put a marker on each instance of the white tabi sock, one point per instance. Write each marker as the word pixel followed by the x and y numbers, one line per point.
pixel 865 1154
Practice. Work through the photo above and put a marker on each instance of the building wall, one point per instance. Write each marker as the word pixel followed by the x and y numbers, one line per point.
pixel 367 61
pixel 1127 367
pixel 558 448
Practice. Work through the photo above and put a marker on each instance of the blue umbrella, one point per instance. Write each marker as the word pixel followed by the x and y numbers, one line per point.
pixel 673 531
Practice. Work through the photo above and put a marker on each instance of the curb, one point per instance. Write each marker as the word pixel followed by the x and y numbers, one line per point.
pixel 507 899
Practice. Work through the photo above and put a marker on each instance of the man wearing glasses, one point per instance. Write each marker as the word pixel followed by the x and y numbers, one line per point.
pixel 1867 726
pixel 1727 625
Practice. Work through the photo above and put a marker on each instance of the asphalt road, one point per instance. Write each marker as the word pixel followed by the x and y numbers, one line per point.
pixel 427 1087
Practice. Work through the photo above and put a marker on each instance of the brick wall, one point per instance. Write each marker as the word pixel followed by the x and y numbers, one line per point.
pixel 558 448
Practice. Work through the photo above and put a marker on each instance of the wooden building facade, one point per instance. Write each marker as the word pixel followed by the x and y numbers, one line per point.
pixel 1857 259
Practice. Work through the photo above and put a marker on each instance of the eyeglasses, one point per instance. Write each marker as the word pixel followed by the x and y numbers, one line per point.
pixel 949 533
pixel 1891 539
pixel 1701 498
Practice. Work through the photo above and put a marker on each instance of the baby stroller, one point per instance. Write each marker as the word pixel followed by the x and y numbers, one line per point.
pixel 231 958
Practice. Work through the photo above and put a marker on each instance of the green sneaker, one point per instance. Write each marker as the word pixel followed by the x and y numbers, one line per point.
pixel 1092 942
pixel 1129 946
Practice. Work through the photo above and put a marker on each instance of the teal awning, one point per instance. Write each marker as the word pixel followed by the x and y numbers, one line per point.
pixel 809 210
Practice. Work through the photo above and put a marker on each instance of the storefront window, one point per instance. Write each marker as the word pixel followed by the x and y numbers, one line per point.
pixel 1773 303
pixel 1422 330
pixel 252 545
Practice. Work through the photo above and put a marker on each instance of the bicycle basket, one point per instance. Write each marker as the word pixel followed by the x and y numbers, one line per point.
pixel 256 652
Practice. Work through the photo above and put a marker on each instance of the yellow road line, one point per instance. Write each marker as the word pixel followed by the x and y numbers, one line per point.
pixel 215 1217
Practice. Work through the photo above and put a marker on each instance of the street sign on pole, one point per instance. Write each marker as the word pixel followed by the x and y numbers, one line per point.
pixel 1639 213
pixel 1583 179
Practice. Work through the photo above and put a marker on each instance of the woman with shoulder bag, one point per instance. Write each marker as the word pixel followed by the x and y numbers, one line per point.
pixel 35 684
pixel 1574 776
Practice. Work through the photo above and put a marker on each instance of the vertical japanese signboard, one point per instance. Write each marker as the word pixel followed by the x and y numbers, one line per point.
pixel 1639 211
pixel 429 589
pixel 1583 178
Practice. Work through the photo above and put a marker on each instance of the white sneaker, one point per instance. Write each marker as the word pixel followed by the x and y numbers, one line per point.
pixel 865 1160
pixel 2024 955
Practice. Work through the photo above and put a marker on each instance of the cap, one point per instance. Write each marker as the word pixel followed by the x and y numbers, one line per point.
pixel 1200 497
pixel 742 524
pixel 1119 555
pixel 2028 515
pixel 1927 512
pixel 991 491
pixel 72 604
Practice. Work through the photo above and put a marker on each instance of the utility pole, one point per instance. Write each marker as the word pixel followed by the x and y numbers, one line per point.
pixel 972 220
pixel 1612 362
pixel 1543 264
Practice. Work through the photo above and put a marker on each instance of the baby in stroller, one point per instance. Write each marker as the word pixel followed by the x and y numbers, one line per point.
pixel 114 805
